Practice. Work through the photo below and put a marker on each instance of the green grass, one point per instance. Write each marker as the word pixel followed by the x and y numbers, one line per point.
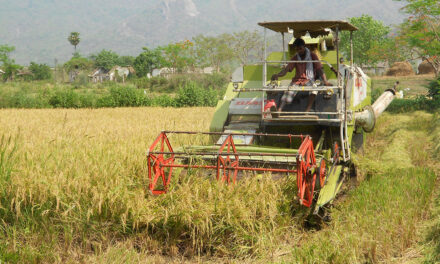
pixel 415 99
pixel 417 84
pixel 378 221
pixel 431 245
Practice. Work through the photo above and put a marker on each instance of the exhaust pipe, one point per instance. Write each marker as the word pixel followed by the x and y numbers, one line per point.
pixel 367 118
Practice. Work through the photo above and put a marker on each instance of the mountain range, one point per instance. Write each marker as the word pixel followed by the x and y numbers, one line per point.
pixel 39 28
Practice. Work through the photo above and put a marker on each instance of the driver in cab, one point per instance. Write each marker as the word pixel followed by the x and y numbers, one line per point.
pixel 305 75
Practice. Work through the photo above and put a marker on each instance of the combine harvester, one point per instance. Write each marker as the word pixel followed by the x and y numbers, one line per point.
pixel 317 146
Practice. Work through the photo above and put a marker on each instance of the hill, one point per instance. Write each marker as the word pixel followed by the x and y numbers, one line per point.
pixel 39 29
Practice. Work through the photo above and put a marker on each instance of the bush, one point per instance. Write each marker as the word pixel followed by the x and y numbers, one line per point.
pixel 40 71
pixel 124 96
pixel 164 101
pixel 106 59
pixel 87 100
pixel 409 105
pixel 66 98
pixel 159 84
pixel 194 95
pixel 434 89
pixel 82 80
pixel 141 83
pixel 26 96
pixel 375 93
pixel 26 100
pixel 175 82
pixel 78 63
pixel 81 94
pixel 106 101
pixel 216 80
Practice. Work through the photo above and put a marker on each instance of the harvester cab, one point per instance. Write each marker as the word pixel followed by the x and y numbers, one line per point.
pixel 247 136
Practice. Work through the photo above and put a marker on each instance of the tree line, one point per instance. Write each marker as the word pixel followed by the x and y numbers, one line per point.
pixel 418 37
pixel 216 51
pixel 202 51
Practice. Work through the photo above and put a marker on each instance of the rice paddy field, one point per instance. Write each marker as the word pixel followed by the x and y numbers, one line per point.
pixel 73 189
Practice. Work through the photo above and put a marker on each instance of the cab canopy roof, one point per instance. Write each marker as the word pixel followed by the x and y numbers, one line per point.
pixel 315 28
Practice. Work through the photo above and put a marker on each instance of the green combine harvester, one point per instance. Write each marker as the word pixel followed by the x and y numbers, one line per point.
pixel 317 146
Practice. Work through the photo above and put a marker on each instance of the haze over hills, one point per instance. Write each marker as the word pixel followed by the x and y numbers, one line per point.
pixel 39 28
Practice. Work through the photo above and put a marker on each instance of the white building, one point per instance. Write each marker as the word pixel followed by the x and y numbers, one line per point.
pixel 100 74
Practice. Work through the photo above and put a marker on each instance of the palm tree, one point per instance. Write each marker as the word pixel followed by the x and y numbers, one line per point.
pixel 74 39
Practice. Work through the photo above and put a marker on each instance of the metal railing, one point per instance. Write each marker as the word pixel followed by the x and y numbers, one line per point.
pixel 265 63
pixel 289 88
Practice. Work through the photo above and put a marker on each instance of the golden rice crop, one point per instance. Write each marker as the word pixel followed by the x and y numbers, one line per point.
pixel 76 190
pixel 82 174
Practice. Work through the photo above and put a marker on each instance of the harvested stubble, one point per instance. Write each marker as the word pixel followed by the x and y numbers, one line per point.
pixel 380 222
pixel 77 192
pixel 431 249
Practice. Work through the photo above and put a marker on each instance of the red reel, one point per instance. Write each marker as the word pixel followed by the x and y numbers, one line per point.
pixel 322 173
pixel 227 165
pixel 336 152
pixel 155 163
pixel 306 175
